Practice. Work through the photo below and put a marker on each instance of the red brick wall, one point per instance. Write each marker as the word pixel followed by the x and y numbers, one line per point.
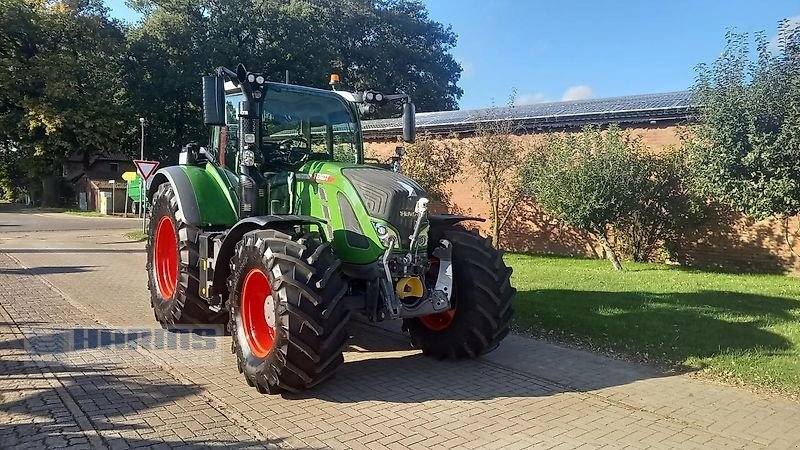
pixel 725 240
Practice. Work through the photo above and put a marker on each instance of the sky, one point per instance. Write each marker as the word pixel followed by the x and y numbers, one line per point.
pixel 569 50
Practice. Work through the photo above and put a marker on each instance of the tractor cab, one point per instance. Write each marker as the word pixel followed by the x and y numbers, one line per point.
pixel 298 124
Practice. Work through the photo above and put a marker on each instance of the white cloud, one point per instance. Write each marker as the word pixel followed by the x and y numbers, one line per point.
pixel 467 69
pixel 530 99
pixel 579 92
pixel 793 23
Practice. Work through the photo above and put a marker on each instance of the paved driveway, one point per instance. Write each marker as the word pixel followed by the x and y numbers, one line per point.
pixel 527 394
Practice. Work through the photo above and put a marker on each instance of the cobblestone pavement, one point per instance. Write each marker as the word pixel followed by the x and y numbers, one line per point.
pixel 527 394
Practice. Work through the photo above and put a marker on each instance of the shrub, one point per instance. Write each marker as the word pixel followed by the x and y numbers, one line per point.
pixel 665 208
pixel 591 180
pixel 434 164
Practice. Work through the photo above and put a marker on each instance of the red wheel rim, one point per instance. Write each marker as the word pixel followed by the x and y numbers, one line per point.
pixel 165 258
pixel 438 321
pixel 442 320
pixel 258 313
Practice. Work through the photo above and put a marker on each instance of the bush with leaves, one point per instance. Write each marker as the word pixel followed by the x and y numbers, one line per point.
pixel 434 163
pixel 591 180
pixel 746 148
pixel 666 207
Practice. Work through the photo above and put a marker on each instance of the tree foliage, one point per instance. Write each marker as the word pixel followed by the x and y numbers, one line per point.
pixel 74 80
pixel 746 148
pixel 387 45
pixel 666 207
pixel 60 83
pixel 591 180
pixel 434 163
pixel 496 156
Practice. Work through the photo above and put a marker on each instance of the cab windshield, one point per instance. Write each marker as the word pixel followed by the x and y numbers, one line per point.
pixel 322 126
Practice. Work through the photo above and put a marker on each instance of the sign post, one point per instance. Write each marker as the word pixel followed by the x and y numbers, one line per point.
pixel 127 176
pixel 113 188
pixel 146 169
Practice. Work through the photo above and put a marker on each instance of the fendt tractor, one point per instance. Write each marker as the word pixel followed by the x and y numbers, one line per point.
pixel 280 230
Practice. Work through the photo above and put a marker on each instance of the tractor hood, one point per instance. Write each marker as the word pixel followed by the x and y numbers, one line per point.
pixel 388 196
pixel 362 206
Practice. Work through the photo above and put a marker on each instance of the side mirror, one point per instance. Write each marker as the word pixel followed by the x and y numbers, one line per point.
pixel 409 122
pixel 213 100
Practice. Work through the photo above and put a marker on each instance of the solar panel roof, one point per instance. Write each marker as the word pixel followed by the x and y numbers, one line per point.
pixel 631 106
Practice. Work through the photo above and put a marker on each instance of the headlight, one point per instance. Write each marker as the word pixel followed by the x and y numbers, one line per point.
pixel 422 239
pixel 260 79
pixel 251 78
pixel 385 234
pixel 248 158
pixel 378 97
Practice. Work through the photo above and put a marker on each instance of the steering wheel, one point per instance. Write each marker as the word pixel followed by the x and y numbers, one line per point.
pixel 290 155
pixel 300 139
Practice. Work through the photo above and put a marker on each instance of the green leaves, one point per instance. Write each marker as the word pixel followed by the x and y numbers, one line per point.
pixel 74 80
pixel 588 180
pixel 745 150
pixel 434 164
pixel 389 46
pixel 60 83
pixel 609 184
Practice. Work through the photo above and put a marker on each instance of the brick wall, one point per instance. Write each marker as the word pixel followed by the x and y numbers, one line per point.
pixel 723 241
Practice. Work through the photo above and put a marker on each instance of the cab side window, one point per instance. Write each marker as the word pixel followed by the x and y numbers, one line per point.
pixel 229 134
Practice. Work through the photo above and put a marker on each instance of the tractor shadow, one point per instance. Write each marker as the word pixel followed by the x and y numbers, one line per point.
pixel 380 365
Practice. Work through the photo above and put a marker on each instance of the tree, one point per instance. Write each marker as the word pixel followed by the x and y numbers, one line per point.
pixel 60 81
pixel 496 157
pixel 746 148
pixel 434 164
pixel 590 180
pixel 388 45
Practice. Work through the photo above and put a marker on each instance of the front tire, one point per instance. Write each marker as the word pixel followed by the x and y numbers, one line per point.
pixel 173 265
pixel 287 319
pixel 481 300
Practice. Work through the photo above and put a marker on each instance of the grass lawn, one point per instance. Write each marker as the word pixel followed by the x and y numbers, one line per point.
pixel 742 327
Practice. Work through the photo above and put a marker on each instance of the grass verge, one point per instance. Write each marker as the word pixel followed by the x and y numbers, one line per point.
pixel 740 327
pixel 81 213
pixel 137 236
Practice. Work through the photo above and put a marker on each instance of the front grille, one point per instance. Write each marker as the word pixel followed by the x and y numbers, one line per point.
pixel 389 196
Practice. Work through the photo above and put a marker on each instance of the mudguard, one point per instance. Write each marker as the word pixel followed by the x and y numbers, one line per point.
pixel 234 235
pixel 203 196
pixel 451 219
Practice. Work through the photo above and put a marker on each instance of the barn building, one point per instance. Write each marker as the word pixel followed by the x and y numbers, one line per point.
pixel 725 240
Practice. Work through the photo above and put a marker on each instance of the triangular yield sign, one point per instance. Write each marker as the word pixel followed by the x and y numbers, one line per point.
pixel 145 168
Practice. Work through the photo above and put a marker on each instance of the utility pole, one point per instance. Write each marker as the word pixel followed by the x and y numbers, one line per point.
pixel 141 121
pixel 142 184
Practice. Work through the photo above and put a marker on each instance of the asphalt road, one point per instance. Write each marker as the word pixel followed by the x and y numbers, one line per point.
pixel 54 285
pixel 16 218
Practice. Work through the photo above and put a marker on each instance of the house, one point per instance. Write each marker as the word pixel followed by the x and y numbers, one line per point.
pixel 91 178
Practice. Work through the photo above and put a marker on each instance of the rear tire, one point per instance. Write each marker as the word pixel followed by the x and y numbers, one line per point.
pixel 173 266
pixel 482 296
pixel 292 339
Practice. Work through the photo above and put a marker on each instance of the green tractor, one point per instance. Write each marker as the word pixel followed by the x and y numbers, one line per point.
pixel 281 231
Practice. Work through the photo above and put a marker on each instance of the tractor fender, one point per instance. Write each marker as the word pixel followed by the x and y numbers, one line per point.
pixel 234 235
pixel 191 183
pixel 450 219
